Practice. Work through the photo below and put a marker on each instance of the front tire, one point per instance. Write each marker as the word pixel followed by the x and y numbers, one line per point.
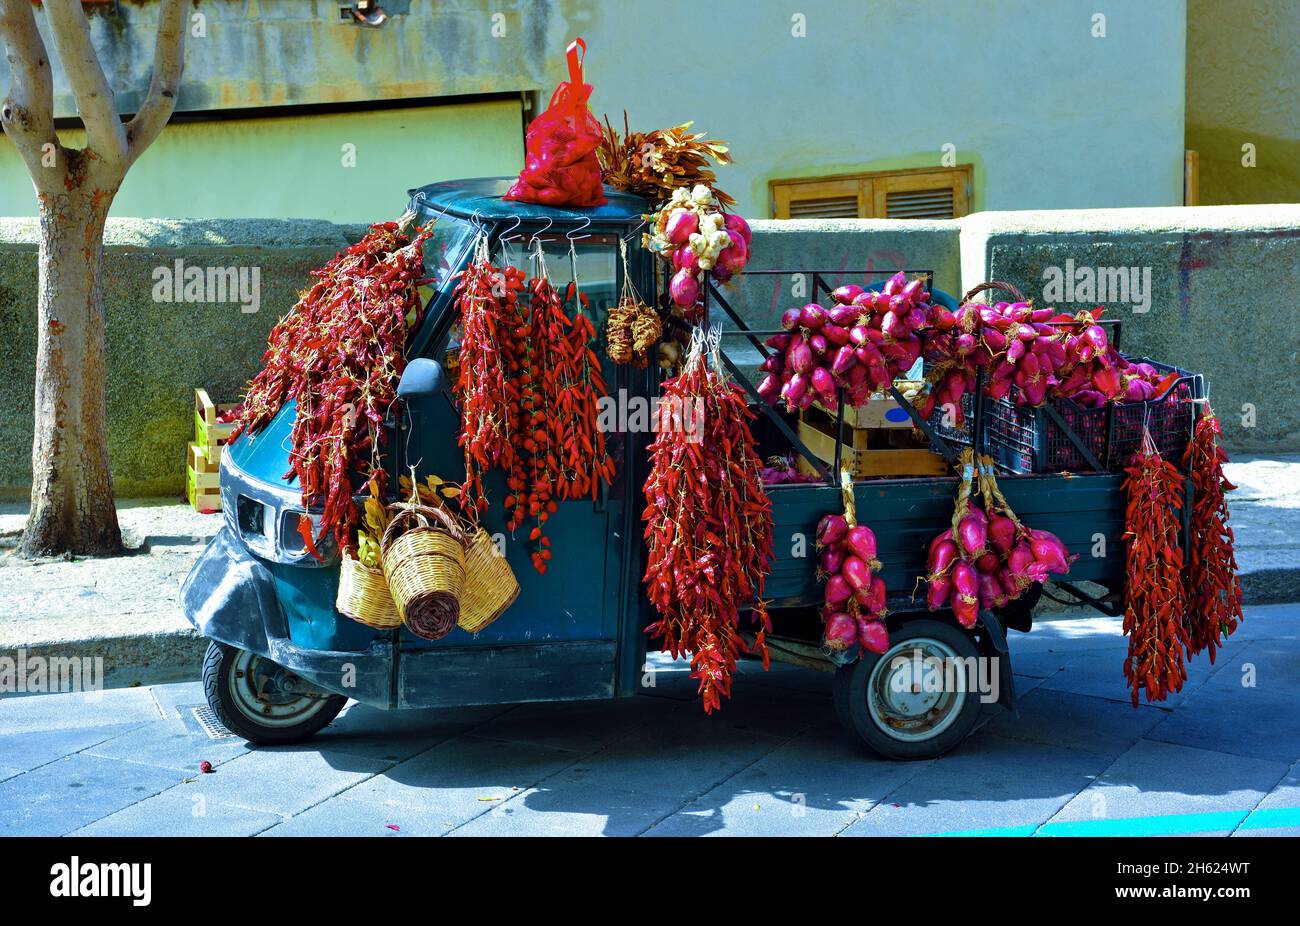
pixel 264 703
pixel 883 700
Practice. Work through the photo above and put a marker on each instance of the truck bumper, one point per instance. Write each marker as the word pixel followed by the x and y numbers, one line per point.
pixel 231 597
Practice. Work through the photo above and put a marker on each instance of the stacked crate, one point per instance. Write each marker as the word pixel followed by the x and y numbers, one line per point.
pixel 202 469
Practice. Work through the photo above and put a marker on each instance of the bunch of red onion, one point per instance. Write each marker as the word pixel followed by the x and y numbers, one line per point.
pixel 855 608
pixel 1042 353
pixel 988 558
pixel 861 343
pixel 692 233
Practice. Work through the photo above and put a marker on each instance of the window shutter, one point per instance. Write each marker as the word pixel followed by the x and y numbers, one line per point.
pixel 898 194
pixel 839 198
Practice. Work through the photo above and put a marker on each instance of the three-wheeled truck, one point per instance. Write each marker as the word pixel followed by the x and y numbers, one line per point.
pixel 282 661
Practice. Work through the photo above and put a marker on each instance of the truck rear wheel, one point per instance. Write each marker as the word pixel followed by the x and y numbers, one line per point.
pixel 263 702
pixel 897 704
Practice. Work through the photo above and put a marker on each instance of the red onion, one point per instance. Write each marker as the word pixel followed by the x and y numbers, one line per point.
pixel 1001 533
pixel 831 560
pixel 736 225
pixel 682 223
pixel 942 556
pixel 812 316
pixel 873 635
pixel 861 542
pixel 846 293
pixel 799 356
pixel 769 388
pixel 845 360
pixel 837 590
pixel 856 572
pixel 972 532
pixel 965 602
pixel 841 631
pixel 938 591
pixel 831 529
pixel 685 288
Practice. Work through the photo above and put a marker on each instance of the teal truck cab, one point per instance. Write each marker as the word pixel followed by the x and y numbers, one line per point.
pixel 282 661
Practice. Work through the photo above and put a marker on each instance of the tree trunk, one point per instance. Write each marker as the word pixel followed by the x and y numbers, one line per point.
pixel 72 489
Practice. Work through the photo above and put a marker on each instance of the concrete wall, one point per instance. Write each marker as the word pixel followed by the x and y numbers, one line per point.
pixel 1220 304
pixel 1050 114
pixel 1221 300
pixel 157 351
pixel 1243 79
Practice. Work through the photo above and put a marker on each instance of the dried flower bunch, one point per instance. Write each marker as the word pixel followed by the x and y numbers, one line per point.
pixel 653 164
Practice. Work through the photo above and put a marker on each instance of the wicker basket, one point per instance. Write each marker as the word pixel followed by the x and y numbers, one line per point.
pixel 364 596
pixel 490 584
pixel 424 563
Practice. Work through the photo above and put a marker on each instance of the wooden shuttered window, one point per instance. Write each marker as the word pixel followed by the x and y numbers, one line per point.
pixel 893 194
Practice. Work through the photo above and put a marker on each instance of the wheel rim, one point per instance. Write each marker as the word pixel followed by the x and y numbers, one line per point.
pixel 271 695
pixel 900 690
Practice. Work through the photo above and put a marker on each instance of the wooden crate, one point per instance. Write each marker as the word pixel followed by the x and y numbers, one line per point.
pixel 881 411
pixel 869 452
pixel 209 433
pixel 202 498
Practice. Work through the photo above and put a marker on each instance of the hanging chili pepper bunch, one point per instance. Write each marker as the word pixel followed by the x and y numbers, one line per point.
pixel 855 609
pixel 988 558
pixel 1213 588
pixel 584 464
pixel 708 523
pixel 552 389
pixel 632 327
pixel 1154 618
pixel 339 353
pixel 487 302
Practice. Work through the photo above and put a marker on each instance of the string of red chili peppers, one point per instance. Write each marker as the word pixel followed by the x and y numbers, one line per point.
pixel 1213 587
pixel 529 384
pixel 487 300
pixel 339 352
pixel 1154 615
pixel 708 524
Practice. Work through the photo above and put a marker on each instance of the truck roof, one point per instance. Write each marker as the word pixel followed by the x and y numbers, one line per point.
pixel 483 195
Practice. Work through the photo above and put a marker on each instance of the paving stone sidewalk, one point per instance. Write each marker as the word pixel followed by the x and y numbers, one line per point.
pixel 1219 758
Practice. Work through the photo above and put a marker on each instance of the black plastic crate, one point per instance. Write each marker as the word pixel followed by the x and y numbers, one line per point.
pixel 1027 440
pixel 958 434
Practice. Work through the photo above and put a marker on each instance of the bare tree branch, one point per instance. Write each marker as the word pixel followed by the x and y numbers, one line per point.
pixel 28 114
pixel 71 31
pixel 168 63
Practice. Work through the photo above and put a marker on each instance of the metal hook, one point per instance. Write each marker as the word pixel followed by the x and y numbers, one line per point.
pixel 586 224
pixel 635 231
pixel 549 223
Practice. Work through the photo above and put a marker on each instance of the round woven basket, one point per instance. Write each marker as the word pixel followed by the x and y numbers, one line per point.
pixel 364 596
pixel 490 584
pixel 423 553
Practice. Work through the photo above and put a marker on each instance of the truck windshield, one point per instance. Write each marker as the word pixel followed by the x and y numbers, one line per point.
pixel 443 249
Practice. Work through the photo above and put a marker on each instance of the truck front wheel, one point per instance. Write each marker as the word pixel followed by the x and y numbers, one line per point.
pixel 264 703
pixel 916 700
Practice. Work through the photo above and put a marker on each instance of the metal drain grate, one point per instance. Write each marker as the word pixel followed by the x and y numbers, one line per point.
pixel 210 723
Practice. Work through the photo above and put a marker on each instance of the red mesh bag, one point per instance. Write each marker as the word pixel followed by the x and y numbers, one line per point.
pixel 560 164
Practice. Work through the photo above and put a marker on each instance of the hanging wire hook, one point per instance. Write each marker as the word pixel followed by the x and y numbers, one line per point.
pixel 506 238
pixel 533 239
pixel 635 231
pixel 586 224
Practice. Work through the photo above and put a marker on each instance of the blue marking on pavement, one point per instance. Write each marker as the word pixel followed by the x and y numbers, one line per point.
pixel 1158 825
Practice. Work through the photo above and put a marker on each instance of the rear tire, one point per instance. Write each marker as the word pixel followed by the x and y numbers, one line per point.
pixel 906 722
pixel 262 702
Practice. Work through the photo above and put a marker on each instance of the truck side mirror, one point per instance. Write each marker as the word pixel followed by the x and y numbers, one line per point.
pixel 422 378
